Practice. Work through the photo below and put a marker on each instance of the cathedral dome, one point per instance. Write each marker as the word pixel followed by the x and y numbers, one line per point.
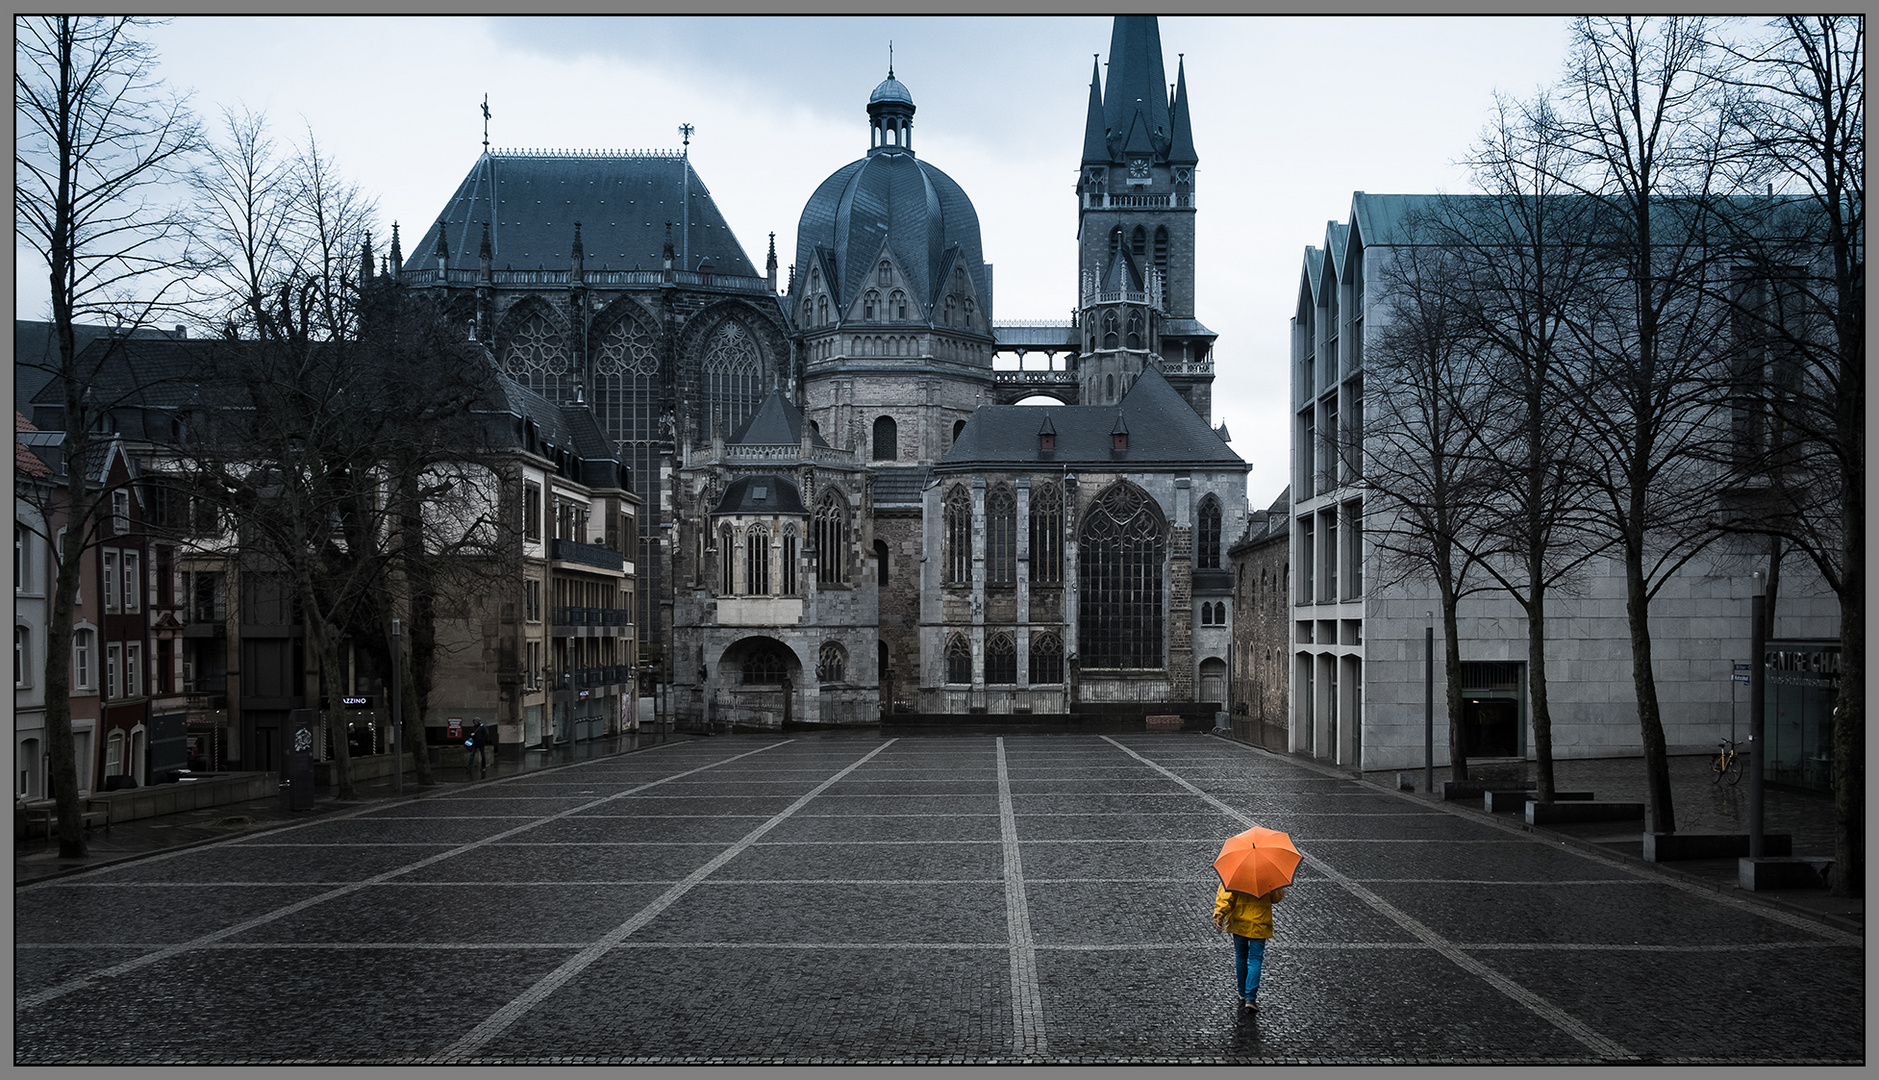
pixel 892 198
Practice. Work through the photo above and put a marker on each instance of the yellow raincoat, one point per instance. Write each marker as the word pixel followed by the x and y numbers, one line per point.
pixel 1247 916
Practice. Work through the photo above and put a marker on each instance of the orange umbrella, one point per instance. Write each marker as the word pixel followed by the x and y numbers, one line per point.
pixel 1257 861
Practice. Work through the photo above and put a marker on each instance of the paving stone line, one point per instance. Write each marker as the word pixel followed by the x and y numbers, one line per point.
pixel 1546 1010
pixel 968 946
pixel 79 983
pixel 1027 1012
pixel 505 1017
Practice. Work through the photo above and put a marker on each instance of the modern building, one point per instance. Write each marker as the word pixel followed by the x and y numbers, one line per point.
pixel 1357 635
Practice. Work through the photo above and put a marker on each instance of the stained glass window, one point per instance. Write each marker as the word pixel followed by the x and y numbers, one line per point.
pixel 1001 537
pixel 958 536
pixel 1120 553
pixel 1046 535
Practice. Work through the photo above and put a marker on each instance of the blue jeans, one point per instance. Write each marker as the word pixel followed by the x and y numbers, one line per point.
pixel 1249 955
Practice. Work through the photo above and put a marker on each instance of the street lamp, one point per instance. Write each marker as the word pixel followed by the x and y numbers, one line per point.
pixel 1758 614
pixel 397 708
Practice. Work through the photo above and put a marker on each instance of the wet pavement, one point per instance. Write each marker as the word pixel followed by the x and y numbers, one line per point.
pixel 853 898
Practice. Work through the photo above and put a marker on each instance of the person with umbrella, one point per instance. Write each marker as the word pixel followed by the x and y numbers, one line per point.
pixel 1254 867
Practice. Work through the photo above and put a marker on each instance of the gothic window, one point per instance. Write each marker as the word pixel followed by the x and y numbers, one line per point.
pixel 1161 255
pixel 538 358
pixel 727 565
pixel 968 303
pixel 1110 324
pixel 958 659
pixel 1001 537
pixel 1115 244
pixel 1138 244
pixel 1206 614
pixel 832 663
pixel 733 378
pixel 880 563
pixel 886 439
pixel 822 311
pixel 831 540
pixel 626 390
pixel 952 303
pixel 1135 330
pixel 900 304
pixel 1121 549
pixel 958 426
pixel 883 274
pixel 1001 660
pixel 1046 659
pixel 868 303
pixel 1046 535
pixel 764 666
pixel 1207 537
pixel 757 561
pixel 788 582
pixel 958 536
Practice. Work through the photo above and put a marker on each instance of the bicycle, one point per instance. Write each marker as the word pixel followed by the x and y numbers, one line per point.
pixel 1728 763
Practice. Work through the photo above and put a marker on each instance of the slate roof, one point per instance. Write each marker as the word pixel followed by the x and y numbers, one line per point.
pixel 1164 431
pixel 532 199
pixel 893 198
pixel 899 485
pixel 36 352
pixel 761 494
pixel 1265 526
pixel 570 427
pixel 775 423
pixel 1135 98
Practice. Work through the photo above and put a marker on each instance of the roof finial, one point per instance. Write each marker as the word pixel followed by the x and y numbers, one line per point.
pixel 686 130
pixel 485 123
pixel 890 58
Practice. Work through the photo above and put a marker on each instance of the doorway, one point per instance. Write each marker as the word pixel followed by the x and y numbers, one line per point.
pixel 1493 714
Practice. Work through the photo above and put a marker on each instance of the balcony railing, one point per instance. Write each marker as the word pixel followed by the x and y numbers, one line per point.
pixel 586 555
pixel 593 616
pixel 593 678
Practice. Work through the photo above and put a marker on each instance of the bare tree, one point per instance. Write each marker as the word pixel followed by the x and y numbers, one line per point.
pixel 1642 121
pixel 1422 463
pixel 1523 253
pixel 1801 389
pixel 98 142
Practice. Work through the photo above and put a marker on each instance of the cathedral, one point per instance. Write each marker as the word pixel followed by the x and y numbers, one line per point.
pixel 847 508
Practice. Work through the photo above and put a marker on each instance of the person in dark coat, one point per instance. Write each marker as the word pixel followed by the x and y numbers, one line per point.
pixel 476 748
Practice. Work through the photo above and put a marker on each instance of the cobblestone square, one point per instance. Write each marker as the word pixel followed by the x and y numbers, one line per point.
pixel 963 899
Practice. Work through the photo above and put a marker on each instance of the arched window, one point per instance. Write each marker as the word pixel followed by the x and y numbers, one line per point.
pixel 1046 535
pixel 764 666
pixel 958 659
pixel 952 305
pixel 958 536
pixel 832 663
pixel 1001 538
pixel 968 303
pixel 727 560
pixel 868 303
pixel 1110 325
pixel 787 582
pixel 822 311
pixel 880 563
pixel 732 367
pixel 1001 660
pixel 757 561
pixel 22 655
pixel 958 426
pixel 626 396
pixel 1121 553
pixel 882 277
pixel 886 439
pixel 1046 659
pixel 1207 536
pixel 1135 330
pixel 831 540
pixel 1109 385
pixel 537 358
pixel 1161 255
pixel 1138 244
pixel 1115 244
pixel 900 304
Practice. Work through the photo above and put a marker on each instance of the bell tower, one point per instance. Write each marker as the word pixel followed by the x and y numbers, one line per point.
pixel 1135 226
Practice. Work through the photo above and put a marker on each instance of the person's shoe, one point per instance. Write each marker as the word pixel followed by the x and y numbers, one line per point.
pixel 1252 1006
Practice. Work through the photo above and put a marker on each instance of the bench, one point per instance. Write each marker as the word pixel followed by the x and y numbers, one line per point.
pixel 1671 847
pixel 1560 813
pixel 1495 802
pixel 45 814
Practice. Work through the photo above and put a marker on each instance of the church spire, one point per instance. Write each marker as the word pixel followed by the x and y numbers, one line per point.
pixel 1181 149
pixel 1137 91
pixel 1094 147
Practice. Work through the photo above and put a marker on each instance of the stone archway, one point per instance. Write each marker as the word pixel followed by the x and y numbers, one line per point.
pixel 759 686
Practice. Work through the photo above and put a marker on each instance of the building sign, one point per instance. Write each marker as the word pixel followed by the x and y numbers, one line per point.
pixel 1800 684
pixel 356 702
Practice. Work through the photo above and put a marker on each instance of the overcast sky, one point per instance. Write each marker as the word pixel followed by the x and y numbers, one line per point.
pixel 1291 115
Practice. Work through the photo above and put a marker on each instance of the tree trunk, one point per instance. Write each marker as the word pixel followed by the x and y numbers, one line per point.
pixel 62 766
pixel 1536 692
pixel 332 710
pixel 1849 713
pixel 1650 720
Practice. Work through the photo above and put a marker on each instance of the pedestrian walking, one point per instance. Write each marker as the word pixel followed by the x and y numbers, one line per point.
pixel 1249 919
pixel 476 748
pixel 1254 867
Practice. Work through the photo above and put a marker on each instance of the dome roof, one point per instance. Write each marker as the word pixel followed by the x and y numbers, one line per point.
pixel 891 89
pixel 892 199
